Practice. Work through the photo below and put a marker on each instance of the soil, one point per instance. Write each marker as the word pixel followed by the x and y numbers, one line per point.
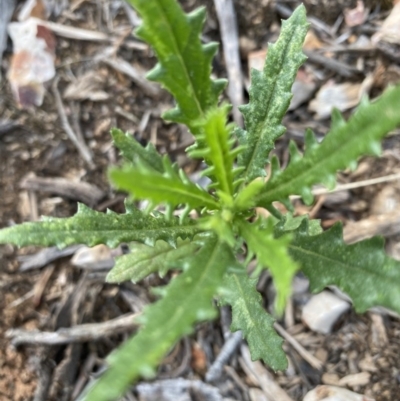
pixel 60 295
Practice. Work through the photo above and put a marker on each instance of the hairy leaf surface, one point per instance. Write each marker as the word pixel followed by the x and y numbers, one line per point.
pixel 270 95
pixel 290 223
pixel 271 253
pixel 256 324
pixel 144 260
pixel 342 146
pixel 362 270
pixel 184 63
pixel 134 152
pixel 91 228
pixel 169 188
pixel 187 300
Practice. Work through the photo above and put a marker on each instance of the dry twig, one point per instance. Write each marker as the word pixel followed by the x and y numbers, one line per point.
pixel 79 333
pixel 80 145
pixel 79 191
pixel 358 184
pixel 46 367
pixel 171 390
pixel 260 375
pixel 45 256
pixel 215 370
pixel 312 360
pixel 332 64
pixel 136 74
pixel 230 40
pixel 74 33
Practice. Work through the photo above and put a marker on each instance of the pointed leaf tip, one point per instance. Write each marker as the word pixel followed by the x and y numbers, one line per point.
pixel 270 95
pixel 167 321
pixel 341 147
pixel 184 71
pixel 256 324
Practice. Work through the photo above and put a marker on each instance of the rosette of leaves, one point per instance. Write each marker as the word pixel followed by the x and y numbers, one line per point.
pixel 205 248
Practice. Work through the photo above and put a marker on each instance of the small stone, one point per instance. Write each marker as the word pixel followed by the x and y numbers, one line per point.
pixel 382 363
pixel 323 310
pixel 379 338
pixel 333 393
pixel 330 378
pixel 300 285
pixel 386 200
pixel 97 257
pixel 367 364
pixel 322 355
pixel 357 379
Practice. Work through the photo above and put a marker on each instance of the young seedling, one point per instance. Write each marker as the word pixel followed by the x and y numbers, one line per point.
pixel 206 249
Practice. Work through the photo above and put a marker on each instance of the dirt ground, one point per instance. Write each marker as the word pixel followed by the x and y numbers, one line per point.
pixel 95 94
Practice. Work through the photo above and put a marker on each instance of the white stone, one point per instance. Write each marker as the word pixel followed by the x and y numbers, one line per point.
pixel 323 310
pixel 97 257
pixel 355 380
pixel 333 393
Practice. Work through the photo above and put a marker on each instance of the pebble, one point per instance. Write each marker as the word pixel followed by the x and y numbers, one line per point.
pixel 386 201
pixel 356 379
pixel 97 257
pixel 330 378
pixel 333 393
pixel 367 364
pixel 257 395
pixel 323 310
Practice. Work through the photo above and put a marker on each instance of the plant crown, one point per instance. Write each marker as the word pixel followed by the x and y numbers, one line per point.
pixel 206 249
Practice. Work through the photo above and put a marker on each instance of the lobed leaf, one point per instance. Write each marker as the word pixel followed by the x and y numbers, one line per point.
pixel 342 146
pixel 184 63
pixel 90 227
pixel 270 95
pixel 169 188
pixel 217 149
pixel 362 270
pixel 256 324
pixel 187 300
pixel 144 260
pixel 134 152
pixel 271 253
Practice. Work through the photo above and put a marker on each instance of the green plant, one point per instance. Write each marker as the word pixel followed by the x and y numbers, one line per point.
pixel 206 248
